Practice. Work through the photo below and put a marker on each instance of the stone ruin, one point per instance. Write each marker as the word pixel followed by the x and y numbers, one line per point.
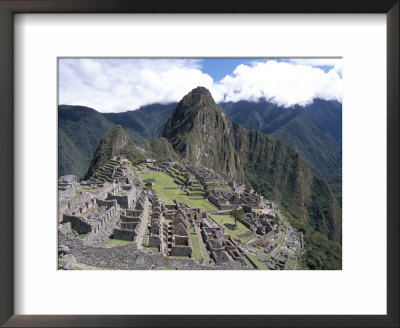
pixel 230 200
pixel 223 249
pixel 174 227
pixel 125 210
pixel 224 200
pixel 156 227
pixel 130 219
pixel 260 223
pixel 180 244
pixel 66 192
pixel 88 218
pixel 124 193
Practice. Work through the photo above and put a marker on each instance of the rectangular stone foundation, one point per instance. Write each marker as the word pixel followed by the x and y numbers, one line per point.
pixel 181 251
pixel 128 235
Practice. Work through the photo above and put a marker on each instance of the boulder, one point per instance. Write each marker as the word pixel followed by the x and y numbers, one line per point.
pixel 63 250
pixel 67 262
pixel 68 179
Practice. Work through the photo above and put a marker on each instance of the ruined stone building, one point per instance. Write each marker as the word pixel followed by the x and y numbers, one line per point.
pixel 181 244
pixel 130 219
pixel 223 249
pixel 92 217
pixel 156 227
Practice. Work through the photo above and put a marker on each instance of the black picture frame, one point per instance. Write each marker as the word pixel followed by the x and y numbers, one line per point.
pixel 10 7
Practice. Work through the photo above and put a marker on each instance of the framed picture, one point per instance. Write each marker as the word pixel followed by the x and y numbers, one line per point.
pixel 72 74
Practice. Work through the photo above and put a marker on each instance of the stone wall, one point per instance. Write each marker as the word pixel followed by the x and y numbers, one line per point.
pixel 154 241
pixel 246 223
pixel 124 234
pixel 126 199
pixel 217 203
pixel 77 223
pixel 184 264
pixel 106 203
pixel 113 257
pixel 179 250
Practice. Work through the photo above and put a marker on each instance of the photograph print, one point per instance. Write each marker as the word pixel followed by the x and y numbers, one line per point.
pixel 200 163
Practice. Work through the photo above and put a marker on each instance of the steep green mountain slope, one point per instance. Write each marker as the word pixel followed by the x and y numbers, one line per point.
pixel 70 158
pixel 202 134
pixel 328 114
pixel 79 132
pixel 160 149
pixel 314 130
pixel 81 128
pixel 115 142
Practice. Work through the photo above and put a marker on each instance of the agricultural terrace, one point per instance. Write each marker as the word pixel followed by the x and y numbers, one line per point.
pixel 167 190
pixel 241 232
pixel 256 260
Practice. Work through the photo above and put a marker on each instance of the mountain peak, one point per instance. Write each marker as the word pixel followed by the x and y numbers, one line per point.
pixel 199 92
pixel 116 141
pixel 196 112
pixel 198 98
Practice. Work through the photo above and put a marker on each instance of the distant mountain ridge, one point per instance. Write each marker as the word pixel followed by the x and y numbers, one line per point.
pixel 314 130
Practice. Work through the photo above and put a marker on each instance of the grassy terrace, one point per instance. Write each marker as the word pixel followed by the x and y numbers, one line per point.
pixel 196 248
pixel 241 233
pixel 162 180
pixel 256 260
pixel 248 262
pixel 78 191
pixel 116 242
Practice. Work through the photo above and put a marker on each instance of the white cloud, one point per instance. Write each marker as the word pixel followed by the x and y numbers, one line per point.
pixel 334 63
pixel 114 85
pixel 283 83
pixel 315 61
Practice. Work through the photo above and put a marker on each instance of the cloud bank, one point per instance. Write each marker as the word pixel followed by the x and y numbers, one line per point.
pixel 115 85
pixel 283 83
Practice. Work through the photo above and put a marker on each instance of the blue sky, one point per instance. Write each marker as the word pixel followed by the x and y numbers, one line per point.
pixel 218 68
pixel 120 84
